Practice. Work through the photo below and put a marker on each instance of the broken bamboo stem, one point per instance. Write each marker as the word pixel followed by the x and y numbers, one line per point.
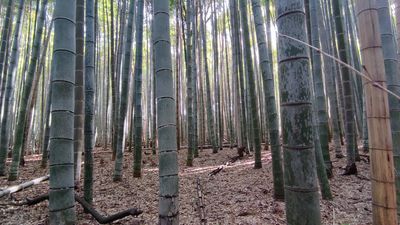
pixel 214 172
pixel 202 212
pixel 22 186
pixel 88 208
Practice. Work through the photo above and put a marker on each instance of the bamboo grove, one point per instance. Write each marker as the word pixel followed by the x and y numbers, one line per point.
pixel 307 80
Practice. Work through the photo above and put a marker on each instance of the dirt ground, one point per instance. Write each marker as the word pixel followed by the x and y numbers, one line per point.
pixel 238 194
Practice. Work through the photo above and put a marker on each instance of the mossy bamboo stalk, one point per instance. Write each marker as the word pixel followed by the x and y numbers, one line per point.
pixel 61 194
pixel 296 115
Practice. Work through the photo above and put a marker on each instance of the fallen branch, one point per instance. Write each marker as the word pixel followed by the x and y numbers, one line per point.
pixel 228 163
pixel 225 145
pixel 361 177
pixel 102 219
pixel 364 158
pixel 36 200
pixel 214 172
pixel 202 212
pixel 88 208
pixel 22 186
pixel 234 159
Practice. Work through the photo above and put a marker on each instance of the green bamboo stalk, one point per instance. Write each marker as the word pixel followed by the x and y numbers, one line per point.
pixel 251 87
pixel 320 102
pixel 124 93
pixel 61 194
pixel 137 165
pixel 350 131
pixel 189 82
pixel 26 93
pixel 89 128
pixel 296 115
pixel 210 117
pixel 4 141
pixel 79 119
pixel 5 34
pixel 329 72
pixel 235 71
pixel 269 95
pixel 241 83
pixel 194 79
pixel 168 158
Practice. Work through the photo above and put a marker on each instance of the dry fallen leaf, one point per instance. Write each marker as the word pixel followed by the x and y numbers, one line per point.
pixel 237 195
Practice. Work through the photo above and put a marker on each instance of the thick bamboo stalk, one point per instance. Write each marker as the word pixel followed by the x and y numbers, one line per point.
pixel 61 195
pixel 384 209
pixel 296 115
pixel 166 124
pixel 393 82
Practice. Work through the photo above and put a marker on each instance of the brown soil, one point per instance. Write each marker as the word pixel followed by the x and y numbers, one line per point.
pixel 238 194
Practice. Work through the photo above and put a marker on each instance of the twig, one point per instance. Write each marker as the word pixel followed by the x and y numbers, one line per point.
pixel 374 83
pixel 363 177
pixel 202 212
pixel 214 172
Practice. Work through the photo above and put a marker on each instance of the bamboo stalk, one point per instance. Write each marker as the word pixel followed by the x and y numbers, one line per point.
pixel 22 186
pixel 384 209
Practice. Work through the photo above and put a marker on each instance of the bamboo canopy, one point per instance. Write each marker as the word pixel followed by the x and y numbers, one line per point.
pixel 380 139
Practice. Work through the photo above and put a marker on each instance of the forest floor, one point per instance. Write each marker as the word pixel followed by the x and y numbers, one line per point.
pixel 238 194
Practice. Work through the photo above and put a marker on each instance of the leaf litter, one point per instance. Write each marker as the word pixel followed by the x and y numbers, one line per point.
pixel 238 194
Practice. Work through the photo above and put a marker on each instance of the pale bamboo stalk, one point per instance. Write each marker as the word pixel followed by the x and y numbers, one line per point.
pixel 384 208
